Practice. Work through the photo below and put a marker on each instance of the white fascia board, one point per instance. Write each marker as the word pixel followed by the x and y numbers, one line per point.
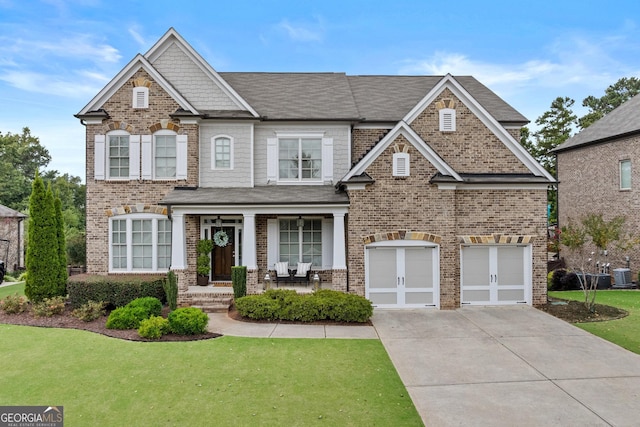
pixel 402 129
pixel 172 36
pixel 124 75
pixel 259 210
pixel 487 119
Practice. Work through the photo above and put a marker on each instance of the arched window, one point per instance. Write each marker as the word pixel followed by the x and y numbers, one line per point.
pixel 222 152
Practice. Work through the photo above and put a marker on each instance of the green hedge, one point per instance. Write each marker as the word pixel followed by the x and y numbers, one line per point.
pixel 130 316
pixel 115 291
pixel 188 321
pixel 325 304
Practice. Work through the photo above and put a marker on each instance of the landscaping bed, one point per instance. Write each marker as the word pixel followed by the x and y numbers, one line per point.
pixel 66 320
pixel 576 311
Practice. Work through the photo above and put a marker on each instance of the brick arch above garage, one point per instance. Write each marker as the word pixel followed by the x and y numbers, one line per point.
pixel 402 235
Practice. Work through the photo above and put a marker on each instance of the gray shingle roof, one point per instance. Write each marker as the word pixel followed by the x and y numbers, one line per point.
pixel 326 96
pixel 263 195
pixel 622 121
pixel 6 212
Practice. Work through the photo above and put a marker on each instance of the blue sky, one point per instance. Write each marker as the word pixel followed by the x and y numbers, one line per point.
pixel 56 55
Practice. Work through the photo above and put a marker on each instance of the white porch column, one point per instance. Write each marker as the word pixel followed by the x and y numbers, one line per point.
pixel 339 259
pixel 249 255
pixel 178 245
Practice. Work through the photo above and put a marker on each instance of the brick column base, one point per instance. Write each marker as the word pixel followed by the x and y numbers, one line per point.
pixel 253 284
pixel 339 280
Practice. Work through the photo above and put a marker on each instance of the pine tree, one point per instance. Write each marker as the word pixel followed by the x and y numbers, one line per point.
pixel 61 284
pixel 42 249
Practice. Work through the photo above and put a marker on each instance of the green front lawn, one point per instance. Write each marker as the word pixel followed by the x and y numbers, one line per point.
pixel 12 289
pixel 624 332
pixel 224 381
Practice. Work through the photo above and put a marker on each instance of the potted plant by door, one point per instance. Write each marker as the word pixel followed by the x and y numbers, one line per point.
pixel 203 262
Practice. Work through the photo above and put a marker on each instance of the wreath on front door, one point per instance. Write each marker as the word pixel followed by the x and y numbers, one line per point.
pixel 221 239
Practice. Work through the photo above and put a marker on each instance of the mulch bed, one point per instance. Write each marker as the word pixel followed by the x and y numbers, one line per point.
pixel 577 312
pixel 66 320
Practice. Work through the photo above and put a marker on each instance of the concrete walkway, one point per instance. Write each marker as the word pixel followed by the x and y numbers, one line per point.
pixel 505 366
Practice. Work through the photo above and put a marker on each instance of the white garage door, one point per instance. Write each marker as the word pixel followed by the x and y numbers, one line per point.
pixel 402 276
pixel 493 275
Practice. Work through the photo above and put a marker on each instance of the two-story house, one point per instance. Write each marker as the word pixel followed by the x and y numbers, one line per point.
pixel 598 173
pixel 410 190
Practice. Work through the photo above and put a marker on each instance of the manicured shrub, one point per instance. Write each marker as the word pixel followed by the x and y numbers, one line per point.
pixel 115 291
pixel 49 307
pixel 151 305
pixel 188 321
pixel 550 280
pixel 239 280
pixel 154 327
pixel 126 318
pixel 90 311
pixel 258 307
pixel 13 304
pixel 170 286
pixel 326 304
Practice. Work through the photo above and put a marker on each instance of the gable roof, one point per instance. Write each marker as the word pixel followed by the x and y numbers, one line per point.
pixel 405 130
pixel 6 212
pixel 489 120
pixel 622 121
pixel 123 77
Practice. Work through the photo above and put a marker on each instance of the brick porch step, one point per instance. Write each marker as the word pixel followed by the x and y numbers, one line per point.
pixel 213 305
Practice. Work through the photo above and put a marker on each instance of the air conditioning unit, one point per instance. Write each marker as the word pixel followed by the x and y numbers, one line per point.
pixel 622 276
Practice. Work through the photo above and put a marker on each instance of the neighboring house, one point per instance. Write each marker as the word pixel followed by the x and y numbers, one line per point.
pixel 410 190
pixel 598 172
pixel 12 238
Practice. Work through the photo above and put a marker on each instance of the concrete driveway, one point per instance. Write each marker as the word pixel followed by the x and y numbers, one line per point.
pixel 506 366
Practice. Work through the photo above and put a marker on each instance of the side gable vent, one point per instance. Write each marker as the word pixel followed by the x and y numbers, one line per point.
pixel 401 164
pixel 141 97
pixel 447 120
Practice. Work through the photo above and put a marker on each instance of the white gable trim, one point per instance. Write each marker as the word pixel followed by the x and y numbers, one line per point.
pixel 172 37
pixel 123 77
pixel 487 119
pixel 405 130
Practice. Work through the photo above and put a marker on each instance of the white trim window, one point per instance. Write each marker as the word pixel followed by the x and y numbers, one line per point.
pixel 300 240
pixel 139 243
pixel 625 174
pixel 164 155
pixel 300 159
pixel 222 152
pixel 118 155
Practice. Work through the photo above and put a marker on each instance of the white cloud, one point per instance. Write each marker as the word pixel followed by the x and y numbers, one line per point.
pixel 135 33
pixel 310 32
pixel 79 47
pixel 66 86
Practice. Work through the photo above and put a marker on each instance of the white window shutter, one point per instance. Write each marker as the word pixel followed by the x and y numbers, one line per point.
pixel 134 157
pixel 327 159
pixel 272 159
pixel 327 243
pixel 147 156
pixel 181 157
pixel 272 243
pixel 99 154
pixel 447 120
pixel 401 164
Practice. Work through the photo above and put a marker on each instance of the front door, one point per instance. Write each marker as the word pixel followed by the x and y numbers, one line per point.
pixel 223 254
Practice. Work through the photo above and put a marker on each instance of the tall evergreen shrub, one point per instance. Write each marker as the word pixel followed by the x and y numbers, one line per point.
pixel 239 280
pixel 61 283
pixel 42 250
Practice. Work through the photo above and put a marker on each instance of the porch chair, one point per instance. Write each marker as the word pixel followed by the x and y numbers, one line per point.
pixel 282 272
pixel 302 273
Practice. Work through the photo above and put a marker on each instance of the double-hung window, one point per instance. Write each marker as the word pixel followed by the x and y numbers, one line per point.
pixel 140 243
pixel 301 241
pixel 118 150
pixel 625 174
pixel 165 151
pixel 300 159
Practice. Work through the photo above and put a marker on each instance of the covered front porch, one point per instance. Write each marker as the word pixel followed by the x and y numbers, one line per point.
pixel 258 227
